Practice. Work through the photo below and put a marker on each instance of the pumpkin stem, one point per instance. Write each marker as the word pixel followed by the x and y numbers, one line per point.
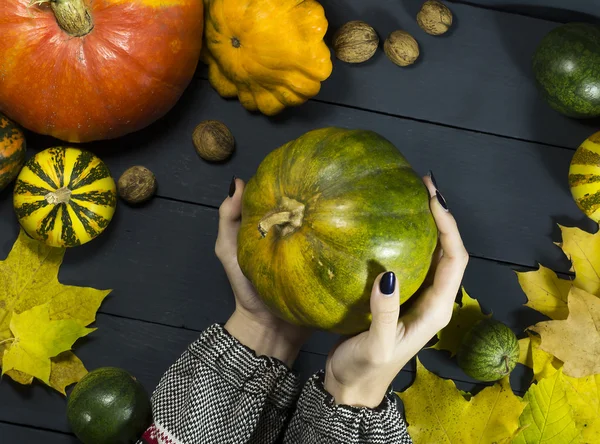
pixel 506 364
pixel 288 218
pixel 73 16
pixel 60 196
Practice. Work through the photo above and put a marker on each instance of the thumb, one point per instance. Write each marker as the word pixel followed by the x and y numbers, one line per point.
pixel 385 308
pixel 230 214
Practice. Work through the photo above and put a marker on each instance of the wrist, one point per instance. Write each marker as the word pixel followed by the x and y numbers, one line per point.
pixel 266 339
pixel 355 396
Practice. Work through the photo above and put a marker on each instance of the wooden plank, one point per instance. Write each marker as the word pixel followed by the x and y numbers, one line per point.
pixel 15 434
pixel 145 350
pixel 478 76
pixel 507 195
pixel 559 10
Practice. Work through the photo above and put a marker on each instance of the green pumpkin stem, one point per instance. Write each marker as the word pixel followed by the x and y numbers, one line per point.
pixel 288 218
pixel 60 196
pixel 73 16
pixel 506 364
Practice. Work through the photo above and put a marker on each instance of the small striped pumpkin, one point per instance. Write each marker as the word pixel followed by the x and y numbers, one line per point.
pixel 584 177
pixel 65 197
pixel 12 151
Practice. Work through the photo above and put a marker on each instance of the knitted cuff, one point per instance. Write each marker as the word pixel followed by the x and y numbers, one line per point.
pixel 348 424
pixel 240 367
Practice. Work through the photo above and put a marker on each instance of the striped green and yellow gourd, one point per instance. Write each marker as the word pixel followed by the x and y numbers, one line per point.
pixel 12 151
pixel 65 197
pixel 584 177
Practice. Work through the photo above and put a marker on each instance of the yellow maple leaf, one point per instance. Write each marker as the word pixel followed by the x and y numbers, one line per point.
pixel 66 369
pixel 37 339
pixel 464 316
pixel 29 277
pixel 576 340
pixel 583 395
pixel 583 250
pixel 437 412
pixel 542 363
pixel 548 418
pixel 546 292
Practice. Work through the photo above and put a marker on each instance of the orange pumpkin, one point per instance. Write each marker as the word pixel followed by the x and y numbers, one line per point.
pixel 83 70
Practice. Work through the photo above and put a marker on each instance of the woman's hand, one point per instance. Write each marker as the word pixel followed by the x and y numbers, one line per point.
pixel 251 323
pixel 360 370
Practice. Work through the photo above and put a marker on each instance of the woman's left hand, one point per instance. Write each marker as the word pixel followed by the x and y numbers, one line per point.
pixel 252 323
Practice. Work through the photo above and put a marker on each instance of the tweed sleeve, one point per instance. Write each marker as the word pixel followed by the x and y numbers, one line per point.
pixel 318 420
pixel 219 391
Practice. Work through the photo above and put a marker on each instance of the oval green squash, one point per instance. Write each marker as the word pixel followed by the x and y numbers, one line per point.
pixel 64 197
pixel 489 351
pixel 323 216
pixel 12 151
pixel 566 65
pixel 109 406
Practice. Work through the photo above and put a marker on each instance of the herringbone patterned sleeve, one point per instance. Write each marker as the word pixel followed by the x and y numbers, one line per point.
pixel 220 392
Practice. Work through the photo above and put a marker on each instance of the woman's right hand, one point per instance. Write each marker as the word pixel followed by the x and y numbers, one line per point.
pixel 360 370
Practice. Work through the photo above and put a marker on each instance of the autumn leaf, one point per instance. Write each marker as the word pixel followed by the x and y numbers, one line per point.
pixel 548 416
pixel 464 316
pixel 546 292
pixel 583 250
pixel 583 397
pixel 576 340
pixel 66 369
pixel 437 412
pixel 29 278
pixel 37 339
pixel 542 363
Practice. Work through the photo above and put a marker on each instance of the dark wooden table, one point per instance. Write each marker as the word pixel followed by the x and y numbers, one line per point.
pixel 468 110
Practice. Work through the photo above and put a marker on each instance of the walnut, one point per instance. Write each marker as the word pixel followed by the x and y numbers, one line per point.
pixel 434 17
pixel 137 185
pixel 401 48
pixel 213 141
pixel 355 42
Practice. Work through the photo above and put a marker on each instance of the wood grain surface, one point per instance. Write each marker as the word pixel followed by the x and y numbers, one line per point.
pixel 469 110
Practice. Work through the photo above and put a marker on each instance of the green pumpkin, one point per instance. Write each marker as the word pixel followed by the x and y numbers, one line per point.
pixel 489 351
pixel 323 216
pixel 566 65
pixel 109 406
pixel 12 151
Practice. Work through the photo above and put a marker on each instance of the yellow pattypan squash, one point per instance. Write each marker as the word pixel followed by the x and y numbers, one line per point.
pixel 268 53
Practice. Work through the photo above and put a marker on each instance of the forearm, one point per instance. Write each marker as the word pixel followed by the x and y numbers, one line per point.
pixel 265 340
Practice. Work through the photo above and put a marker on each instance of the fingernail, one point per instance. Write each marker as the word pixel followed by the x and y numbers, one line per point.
pixel 387 284
pixel 232 187
pixel 441 200
pixel 432 177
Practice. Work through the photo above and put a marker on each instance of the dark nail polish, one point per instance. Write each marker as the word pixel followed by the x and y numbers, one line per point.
pixel 441 200
pixel 432 177
pixel 232 187
pixel 387 283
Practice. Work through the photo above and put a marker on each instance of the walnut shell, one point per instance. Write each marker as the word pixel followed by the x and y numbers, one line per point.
pixel 401 48
pixel 355 42
pixel 137 185
pixel 213 141
pixel 434 17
